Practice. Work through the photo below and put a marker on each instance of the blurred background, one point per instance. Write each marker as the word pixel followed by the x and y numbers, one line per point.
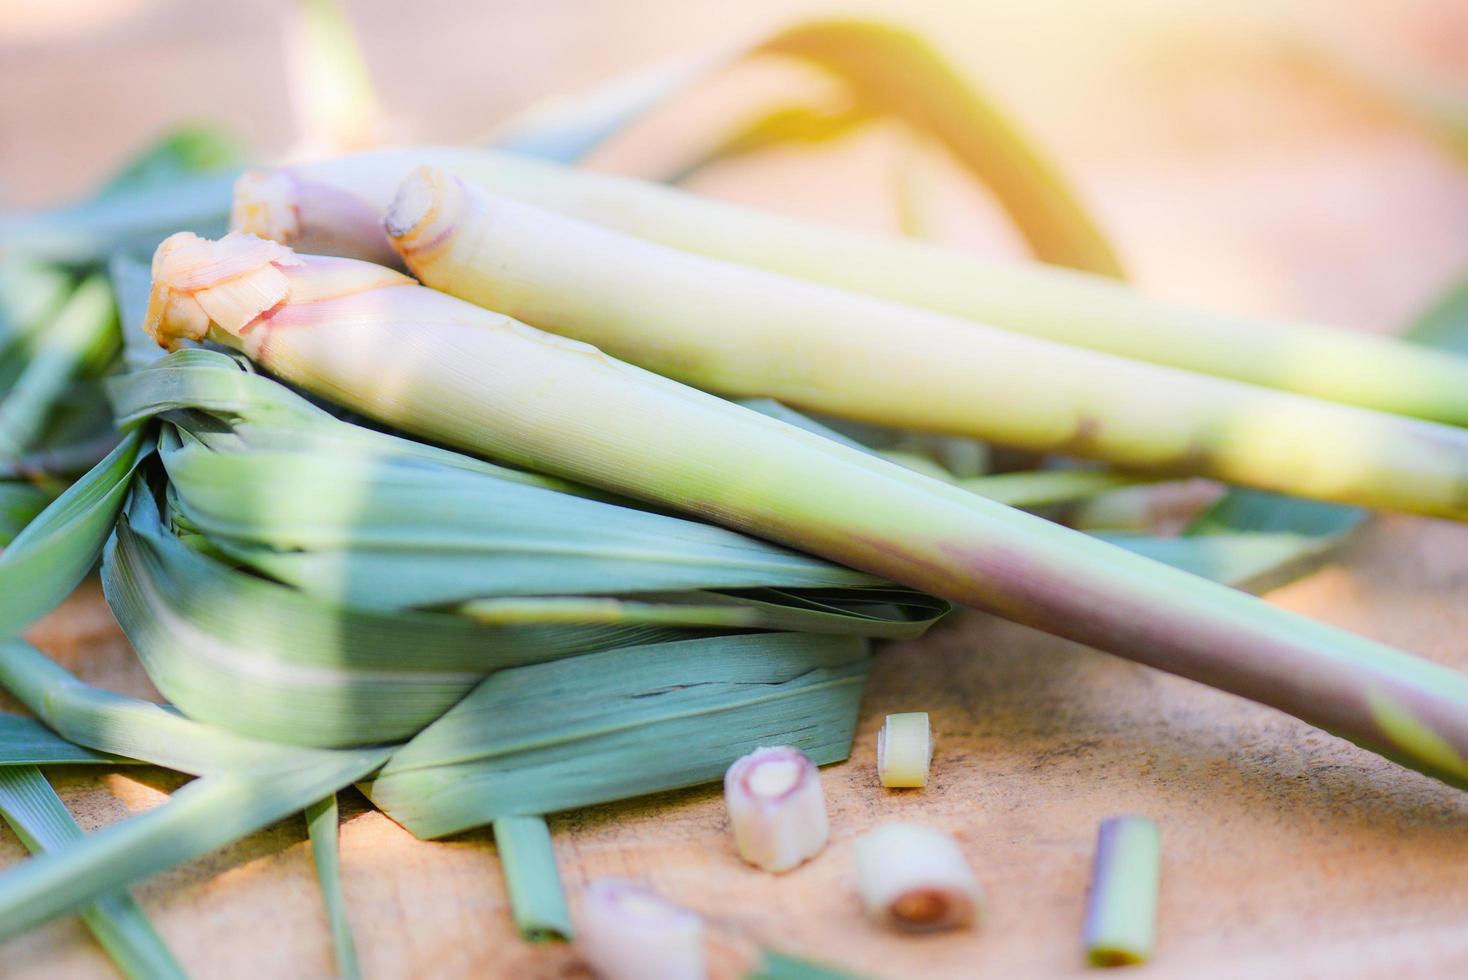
pixel 1305 158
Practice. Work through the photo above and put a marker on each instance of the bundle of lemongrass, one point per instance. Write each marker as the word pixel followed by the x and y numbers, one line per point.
pixel 545 631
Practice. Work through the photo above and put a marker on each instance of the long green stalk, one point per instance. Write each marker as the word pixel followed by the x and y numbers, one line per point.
pixel 37 815
pixel 536 896
pixel 745 332
pixel 335 207
pixel 321 826
pixel 433 365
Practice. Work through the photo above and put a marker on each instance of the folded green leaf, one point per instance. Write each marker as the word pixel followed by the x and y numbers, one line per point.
pixel 622 723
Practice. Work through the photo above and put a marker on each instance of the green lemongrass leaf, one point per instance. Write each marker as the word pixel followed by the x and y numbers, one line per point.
pixel 898 74
pixel 91 231
pixel 82 336
pixel 537 899
pixel 128 727
pixel 809 125
pixel 321 825
pixel 622 723
pixel 877 613
pixel 379 533
pixel 183 181
pixel 253 656
pixel 132 281
pixel 20 503
pixel 777 965
pixel 1445 324
pixel 203 816
pixel 196 148
pixel 31 292
pixel 565 129
pixel 37 815
pixel 27 742
pixel 55 551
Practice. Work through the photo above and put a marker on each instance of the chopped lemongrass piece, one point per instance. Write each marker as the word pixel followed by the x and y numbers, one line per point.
pixel 916 878
pixel 904 750
pixel 776 808
pixel 627 932
pixel 1121 915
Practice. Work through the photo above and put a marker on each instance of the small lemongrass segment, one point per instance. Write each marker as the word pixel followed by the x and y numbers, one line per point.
pixel 745 332
pixel 627 932
pixel 916 878
pixel 438 367
pixel 336 198
pixel 1121 914
pixel 777 808
pixel 904 750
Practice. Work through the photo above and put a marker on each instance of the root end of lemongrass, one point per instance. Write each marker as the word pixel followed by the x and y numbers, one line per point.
pixel 425 209
pixel 230 282
pixel 266 203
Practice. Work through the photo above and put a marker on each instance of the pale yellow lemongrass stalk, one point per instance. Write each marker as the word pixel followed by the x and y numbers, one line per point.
pixel 370 339
pixel 331 206
pixel 748 332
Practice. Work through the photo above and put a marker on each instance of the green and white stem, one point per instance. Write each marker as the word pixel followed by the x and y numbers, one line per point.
pixel 746 332
pixel 427 363
pixel 915 878
pixel 777 809
pixel 628 932
pixel 335 206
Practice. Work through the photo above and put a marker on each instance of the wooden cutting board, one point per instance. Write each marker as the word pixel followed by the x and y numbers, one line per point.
pixel 1287 852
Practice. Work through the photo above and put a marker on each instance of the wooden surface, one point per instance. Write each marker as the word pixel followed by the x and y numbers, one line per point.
pixel 1227 180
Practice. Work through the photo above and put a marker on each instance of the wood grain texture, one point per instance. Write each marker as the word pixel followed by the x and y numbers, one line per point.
pixel 1286 851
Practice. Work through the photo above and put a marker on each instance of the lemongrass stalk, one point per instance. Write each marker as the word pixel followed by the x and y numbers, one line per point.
pixel 1121 912
pixel 904 750
pixel 777 809
pixel 627 932
pixel 916 878
pixel 537 899
pixel 430 364
pixel 334 206
pixel 745 332
pixel 323 829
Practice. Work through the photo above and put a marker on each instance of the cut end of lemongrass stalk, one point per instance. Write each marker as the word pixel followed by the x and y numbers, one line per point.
pixel 628 932
pixel 425 211
pixel 776 808
pixel 904 750
pixel 235 282
pixel 1121 913
pixel 916 878
pixel 228 282
pixel 266 203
